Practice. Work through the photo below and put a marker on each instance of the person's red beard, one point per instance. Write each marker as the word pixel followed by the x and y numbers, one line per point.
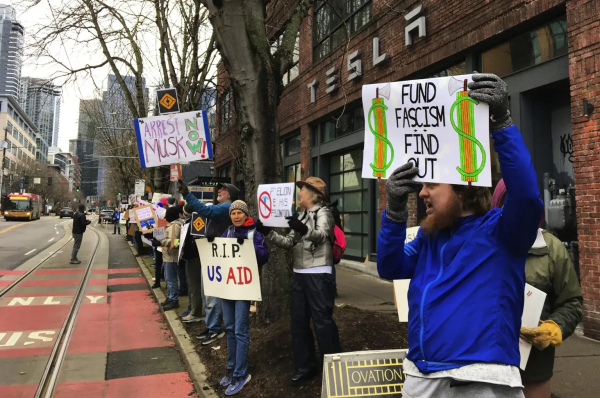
pixel 442 218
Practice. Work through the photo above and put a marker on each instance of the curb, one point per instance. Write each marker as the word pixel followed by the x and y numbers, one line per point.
pixel 184 343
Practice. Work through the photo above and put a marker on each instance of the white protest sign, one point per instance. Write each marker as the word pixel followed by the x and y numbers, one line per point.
pixel 182 235
pixel 229 270
pixel 174 138
pixel 146 241
pixel 532 311
pixel 146 218
pixel 140 187
pixel 159 233
pixel 432 123
pixel 275 203
pixel 401 285
pixel 160 212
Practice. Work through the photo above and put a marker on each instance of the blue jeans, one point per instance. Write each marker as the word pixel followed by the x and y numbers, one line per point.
pixel 116 227
pixel 214 312
pixel 237 319
pixel 171 279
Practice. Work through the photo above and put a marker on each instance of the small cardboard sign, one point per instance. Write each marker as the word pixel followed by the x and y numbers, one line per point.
pixel 168 101
pixel 432 123
pixel 159 233
pixel 198 225
pixel 229 270
pixel 364 374
pixel 146 218
pixel 182 234
pixel 532 311
pixel 401 285
pixel 140 187
pixel 275 202
pixel 175 172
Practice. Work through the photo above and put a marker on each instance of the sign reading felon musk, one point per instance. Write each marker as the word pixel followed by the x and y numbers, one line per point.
pixel 364 374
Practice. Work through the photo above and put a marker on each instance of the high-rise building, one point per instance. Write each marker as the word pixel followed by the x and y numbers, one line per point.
pixel 56 127
pixel 11 51
pixel 85 145
pixel 39 99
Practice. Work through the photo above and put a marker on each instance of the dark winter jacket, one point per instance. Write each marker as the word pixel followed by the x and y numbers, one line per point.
pixel 79 222
pixel 217 216
pixel 467 282
pixel 260 246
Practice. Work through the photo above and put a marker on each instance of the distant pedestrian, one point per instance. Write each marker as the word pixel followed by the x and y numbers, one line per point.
pixel 170 251
pixel 548 267
pixel 80 223
pixel 313 285
pixel 236 313
pixel 116 217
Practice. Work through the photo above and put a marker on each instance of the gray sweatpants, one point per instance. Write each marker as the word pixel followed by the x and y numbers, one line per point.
pixel 77 238
pixel 194 276
pixel 418 387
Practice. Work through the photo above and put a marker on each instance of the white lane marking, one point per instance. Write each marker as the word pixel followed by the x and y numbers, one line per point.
pixel 51 240
pixel 29 252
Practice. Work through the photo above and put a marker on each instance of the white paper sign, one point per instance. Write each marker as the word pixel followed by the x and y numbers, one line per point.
pixel 160 211
pixel 158 233
pixel 532 311
pixel 174 138
pixel 140 187
pixel 434 124
pixel 146 241
pixel 229 270
pixel 401 285
pixel 182 235
pixel 275 203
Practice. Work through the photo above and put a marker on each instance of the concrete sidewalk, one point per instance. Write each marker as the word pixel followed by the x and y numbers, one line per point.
pixel 577 360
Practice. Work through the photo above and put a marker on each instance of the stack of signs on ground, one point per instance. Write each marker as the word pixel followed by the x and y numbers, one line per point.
pixel 229 270
pixel 172 139
pixel 363 374
pixel 275 203
pixel 432 123
pixel 146 218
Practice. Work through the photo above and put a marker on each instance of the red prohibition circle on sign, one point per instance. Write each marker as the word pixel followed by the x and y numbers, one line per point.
pixel 265 206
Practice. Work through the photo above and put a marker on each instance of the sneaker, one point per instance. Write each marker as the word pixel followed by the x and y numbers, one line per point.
pixel 75 262
pixel 203 334
pixel 237 384
pixel 184 314
pixel 209 338
pixel 167 301
pixel 171 305
pixel 225 381
pixel 190 319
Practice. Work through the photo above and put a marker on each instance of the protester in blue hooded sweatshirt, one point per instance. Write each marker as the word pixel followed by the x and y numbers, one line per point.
pixel 467 268
pixel 217 222
pixel 236 313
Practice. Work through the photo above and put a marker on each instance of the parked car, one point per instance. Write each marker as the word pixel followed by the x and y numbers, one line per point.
pixel 66 212
pixel 106 215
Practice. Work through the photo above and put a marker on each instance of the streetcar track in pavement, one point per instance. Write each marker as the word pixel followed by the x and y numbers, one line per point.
pixel 53 366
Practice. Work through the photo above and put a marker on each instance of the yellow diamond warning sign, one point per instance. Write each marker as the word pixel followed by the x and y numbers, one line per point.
pixel 197 225
pixel 167 101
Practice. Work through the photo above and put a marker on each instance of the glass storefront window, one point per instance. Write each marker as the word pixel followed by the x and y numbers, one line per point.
pixel 292 145
pixel 293 173
pixel 350 121
pixel 532 48
pixel 456 70
pixel 347 187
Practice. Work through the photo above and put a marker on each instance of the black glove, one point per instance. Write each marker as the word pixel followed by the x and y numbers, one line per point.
pixel 240 240
pixel 262 229
pixel 211 239
pixel 397 187
pixel 149 235
pixel 182 188
pixel 155 242
pixel 297 225
pixel 490 89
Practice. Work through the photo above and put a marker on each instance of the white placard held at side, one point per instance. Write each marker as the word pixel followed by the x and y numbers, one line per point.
pixel 229 270
pixel 532 311
pixel 275 202
pixel 432 123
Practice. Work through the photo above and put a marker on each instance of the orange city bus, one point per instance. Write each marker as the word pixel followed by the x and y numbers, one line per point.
pixel 23 205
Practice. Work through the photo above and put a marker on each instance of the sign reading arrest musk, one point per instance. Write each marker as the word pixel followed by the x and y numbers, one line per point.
pixel 364 374
pixel 229 270
pixel 172 139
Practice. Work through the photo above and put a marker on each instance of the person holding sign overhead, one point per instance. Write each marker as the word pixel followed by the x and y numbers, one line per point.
pixel 467 267
pixel 313 286
pixel 236 313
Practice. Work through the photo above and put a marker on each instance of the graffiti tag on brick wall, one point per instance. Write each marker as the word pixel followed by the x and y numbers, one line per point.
pixel 566 146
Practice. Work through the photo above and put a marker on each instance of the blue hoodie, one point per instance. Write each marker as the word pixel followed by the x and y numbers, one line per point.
pixel 467 282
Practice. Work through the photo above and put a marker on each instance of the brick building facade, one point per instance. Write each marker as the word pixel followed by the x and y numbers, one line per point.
pixel 548 51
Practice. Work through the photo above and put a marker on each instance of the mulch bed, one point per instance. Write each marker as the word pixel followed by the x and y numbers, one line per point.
pixel 271 362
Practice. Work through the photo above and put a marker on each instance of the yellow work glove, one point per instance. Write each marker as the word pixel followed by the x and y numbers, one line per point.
pixel 547 333
pixel 176 243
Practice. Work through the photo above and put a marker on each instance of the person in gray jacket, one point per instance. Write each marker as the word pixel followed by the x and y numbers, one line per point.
pixel 313 285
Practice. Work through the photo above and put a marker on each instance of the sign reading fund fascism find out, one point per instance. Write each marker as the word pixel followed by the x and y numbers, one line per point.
pixel 364 374
pixel 172 139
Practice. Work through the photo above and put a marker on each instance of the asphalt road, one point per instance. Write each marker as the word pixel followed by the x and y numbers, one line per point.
pixel 19 240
